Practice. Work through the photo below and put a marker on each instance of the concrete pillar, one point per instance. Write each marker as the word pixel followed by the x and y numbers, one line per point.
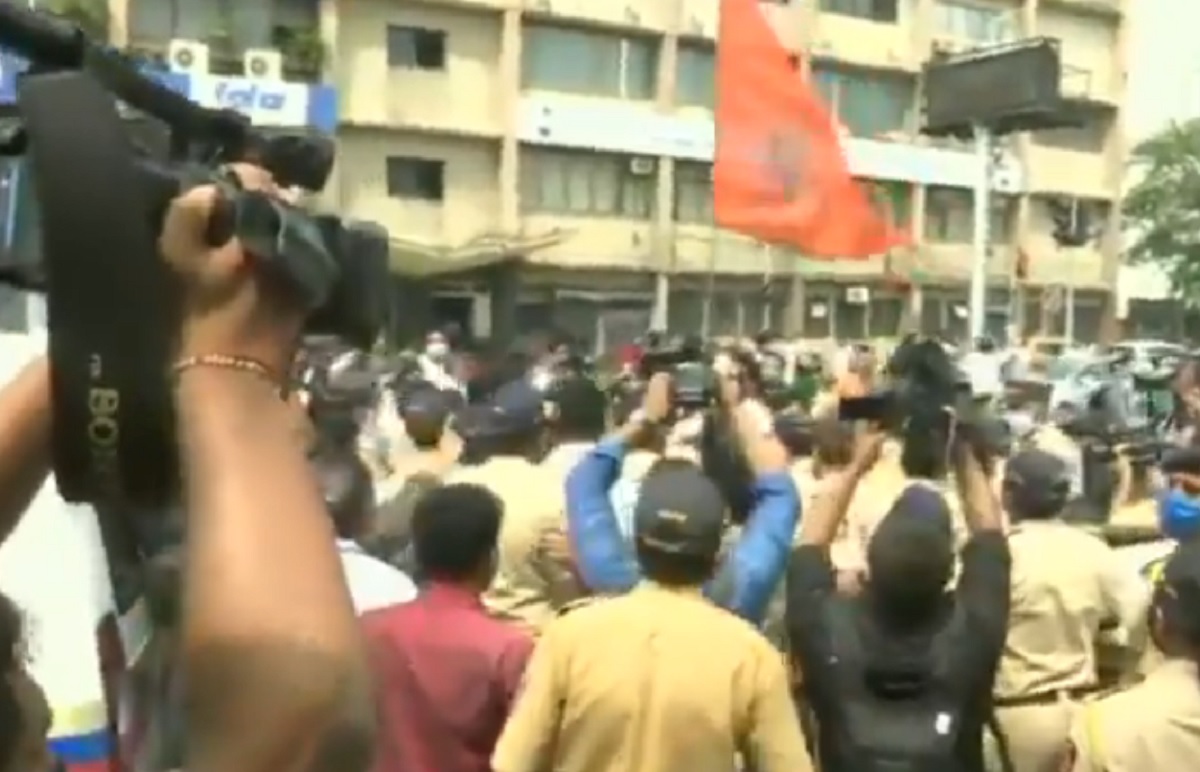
pixel 510 82
pixel 662 234
pixel 118 23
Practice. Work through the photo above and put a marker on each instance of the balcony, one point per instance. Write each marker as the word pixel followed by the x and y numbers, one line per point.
pixel 1104 8
pixel 656 16
pixel 1069 172
pixel 462 96
pixel 864 43
pixel 592 242
pixel 469 200
pixel 702 248
pixel 1086 92
pixel 950 262
pixel 791 22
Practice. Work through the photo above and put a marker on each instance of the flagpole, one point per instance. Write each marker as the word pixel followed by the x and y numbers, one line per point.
pixel 710 281
pixel 983 194
pixel 768 276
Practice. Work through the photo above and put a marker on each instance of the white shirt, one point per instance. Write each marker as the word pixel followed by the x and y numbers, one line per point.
pixel 983 369
pixel 373 583
pixel 435 372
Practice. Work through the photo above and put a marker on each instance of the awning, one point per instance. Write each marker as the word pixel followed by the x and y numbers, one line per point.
pixel 415 258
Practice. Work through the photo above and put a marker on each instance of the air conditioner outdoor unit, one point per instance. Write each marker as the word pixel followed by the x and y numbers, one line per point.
pixel 263 64
pixel 641 166
pixel 859 296
pixel 190 56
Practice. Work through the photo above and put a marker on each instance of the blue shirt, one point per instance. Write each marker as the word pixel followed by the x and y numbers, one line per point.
pixel 744 583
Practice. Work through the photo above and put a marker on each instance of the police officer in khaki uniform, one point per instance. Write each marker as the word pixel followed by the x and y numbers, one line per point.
pixel 658 680
pixel 1155 725
pixel 882 485
pixel 505 436
pixel 1066 585
pixel 1133 501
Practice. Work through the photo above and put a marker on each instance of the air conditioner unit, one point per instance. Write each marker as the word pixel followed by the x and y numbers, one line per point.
pixel 263 64
pixel 858 296
pixel 190 56
pixel 641 166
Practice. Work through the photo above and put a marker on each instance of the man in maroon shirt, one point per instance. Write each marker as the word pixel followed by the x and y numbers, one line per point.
pixel 446 672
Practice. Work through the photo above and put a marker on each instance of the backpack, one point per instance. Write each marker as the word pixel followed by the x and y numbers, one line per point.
pixel 905 717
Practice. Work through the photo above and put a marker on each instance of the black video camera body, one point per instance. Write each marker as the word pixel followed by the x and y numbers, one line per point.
pixel 103 187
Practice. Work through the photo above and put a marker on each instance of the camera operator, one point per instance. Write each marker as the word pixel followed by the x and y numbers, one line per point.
pixel 752 569
pixel 272 683
pixel 901 679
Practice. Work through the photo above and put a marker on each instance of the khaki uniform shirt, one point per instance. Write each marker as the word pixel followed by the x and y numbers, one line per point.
pixel 532 580
pixel 658 680
pixel 1151 727
pixel 880 488
pixel 1140 514
pixel 1066 584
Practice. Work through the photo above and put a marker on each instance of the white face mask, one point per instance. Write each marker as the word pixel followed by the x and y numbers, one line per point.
pixel 437 350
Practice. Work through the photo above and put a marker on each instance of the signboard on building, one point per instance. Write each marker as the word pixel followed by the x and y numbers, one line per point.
pixel 272 104
pixel 574 122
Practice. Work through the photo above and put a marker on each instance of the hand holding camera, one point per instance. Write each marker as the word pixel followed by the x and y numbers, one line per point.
pixel 231 306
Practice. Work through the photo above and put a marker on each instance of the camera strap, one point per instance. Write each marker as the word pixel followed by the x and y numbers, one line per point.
pixel 111 299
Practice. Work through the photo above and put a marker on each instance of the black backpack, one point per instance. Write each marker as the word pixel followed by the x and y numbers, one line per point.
pixel 894 714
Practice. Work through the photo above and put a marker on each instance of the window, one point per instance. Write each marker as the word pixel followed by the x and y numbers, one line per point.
pixel 587 184
pixel 693 192
pixel 422 179
pixel 850 319
pixel 577 61
pixel 696 76
pixel 976 23
pixel 1004 218
pixel 886 315
pixel 868 104
pixel 871 10
pixel 1088 138
pixel 893 199
pixel 948 215
pixel 416 48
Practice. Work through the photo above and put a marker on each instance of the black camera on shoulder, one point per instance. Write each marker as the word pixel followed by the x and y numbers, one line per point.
pixel 103 185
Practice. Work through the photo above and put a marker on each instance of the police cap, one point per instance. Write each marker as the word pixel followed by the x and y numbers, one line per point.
pixel 1041 478
pixel 680 511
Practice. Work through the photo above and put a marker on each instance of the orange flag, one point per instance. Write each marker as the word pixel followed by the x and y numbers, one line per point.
pixel 779 174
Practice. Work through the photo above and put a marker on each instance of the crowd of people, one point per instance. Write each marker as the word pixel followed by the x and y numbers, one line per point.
pixel 547 575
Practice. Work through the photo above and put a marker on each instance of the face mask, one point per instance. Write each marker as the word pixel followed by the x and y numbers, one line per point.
pixel 437 350
pixel 1178 515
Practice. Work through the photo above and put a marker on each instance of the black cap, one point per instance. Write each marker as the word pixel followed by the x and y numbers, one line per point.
pixel 1038 471
pixel 680 511
pixel 1185 460
pixel 1179 591
pixel 911 551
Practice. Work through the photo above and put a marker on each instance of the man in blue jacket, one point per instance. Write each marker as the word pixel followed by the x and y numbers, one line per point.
pixel 747 578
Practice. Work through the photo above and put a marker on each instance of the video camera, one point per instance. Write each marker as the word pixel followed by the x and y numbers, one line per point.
pixel 103 189
pixel 926 392
pixel 691 372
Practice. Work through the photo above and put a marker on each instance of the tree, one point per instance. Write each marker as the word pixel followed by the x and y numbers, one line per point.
pixel 1162 210
pixel 91 16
